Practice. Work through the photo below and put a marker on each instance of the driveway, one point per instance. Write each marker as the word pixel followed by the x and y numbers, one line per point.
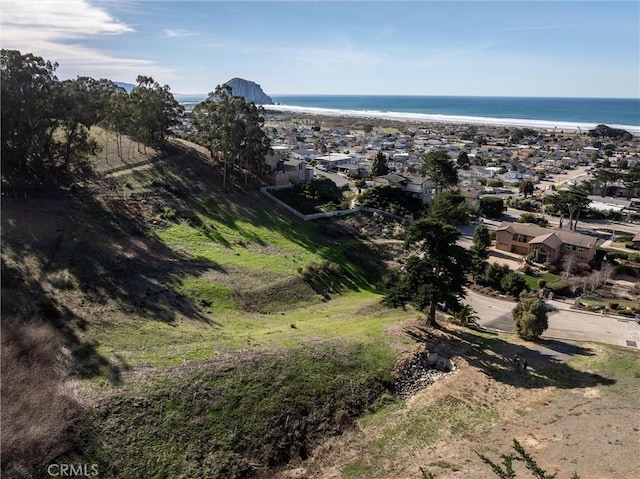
pixel 564 323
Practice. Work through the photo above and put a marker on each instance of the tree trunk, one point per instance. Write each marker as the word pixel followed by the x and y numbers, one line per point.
pixel 575 223
pixel 431 317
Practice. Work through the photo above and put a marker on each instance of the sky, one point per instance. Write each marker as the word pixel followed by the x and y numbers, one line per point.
pixel 476 48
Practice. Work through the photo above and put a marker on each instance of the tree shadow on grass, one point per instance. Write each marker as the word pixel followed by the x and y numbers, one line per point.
pixel 68 257
pixel 495 357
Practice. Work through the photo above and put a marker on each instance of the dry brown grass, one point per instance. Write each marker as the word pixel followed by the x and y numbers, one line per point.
pixel 112 158
pixel 36 412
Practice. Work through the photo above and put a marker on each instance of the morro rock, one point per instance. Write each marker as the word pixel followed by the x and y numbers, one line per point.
pixel 252 92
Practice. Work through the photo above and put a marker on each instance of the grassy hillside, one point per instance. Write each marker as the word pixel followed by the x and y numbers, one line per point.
pixel 157 326
pixel 149 287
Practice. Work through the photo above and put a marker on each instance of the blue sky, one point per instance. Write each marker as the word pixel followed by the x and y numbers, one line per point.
pixel 500 48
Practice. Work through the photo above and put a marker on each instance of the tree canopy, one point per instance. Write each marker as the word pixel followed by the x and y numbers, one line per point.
pixel 526 187
pixel 440 168
pixel 450 207
pixel 571 202
pixel 435 273
pixel 154 111
pixel 379 165
pixel 232 130
pixel 530 316
pixel 46 122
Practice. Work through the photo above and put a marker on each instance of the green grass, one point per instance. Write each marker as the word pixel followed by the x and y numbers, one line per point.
pixel 265 411
pixel 416 429
pixel 532 281
pixel 605 302
pixel 208 294
pixel 351 317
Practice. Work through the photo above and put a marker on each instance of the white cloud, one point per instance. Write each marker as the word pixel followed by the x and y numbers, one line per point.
pixel 174 33
pixel 45 28
pixel 57 19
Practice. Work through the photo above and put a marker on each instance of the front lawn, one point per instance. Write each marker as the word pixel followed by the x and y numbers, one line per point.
pixel 532 281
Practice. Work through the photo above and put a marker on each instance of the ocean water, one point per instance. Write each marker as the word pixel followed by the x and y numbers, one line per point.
pixel 567 113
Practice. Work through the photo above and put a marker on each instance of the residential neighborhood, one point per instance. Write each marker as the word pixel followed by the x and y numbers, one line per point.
pixel 561 206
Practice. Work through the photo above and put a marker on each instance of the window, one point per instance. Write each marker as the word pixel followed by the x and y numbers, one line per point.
pixel 521 238
pixel 579 249
pixel 568 247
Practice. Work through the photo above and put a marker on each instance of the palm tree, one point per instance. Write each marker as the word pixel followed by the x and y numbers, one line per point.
pixel 466 316
pixel 526 187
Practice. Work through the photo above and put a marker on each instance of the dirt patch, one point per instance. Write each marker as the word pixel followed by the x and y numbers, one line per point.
pixel 587 424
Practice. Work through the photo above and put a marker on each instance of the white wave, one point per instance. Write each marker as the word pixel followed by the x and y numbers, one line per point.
pixel 458 119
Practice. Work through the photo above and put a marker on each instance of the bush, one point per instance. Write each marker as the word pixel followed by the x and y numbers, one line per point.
pixel 492 206
pixel 530 317
pixel 494 274
pixel 626 269
pixel 613 306
pixel 560 288
pixel 542 283
pixel 513 283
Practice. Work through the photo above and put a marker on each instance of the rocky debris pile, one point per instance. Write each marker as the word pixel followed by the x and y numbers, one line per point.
pixel 423 370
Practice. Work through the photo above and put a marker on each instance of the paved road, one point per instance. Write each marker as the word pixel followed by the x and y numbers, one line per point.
pixel 564 322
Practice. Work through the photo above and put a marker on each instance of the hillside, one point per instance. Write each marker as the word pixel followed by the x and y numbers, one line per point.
pixel 158 326
pixel 140 274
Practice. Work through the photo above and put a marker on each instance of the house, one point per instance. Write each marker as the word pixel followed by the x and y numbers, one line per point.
pixel 292 171
pixel 414 186
pixel 470 195
pixel 332 160
pixel 545 244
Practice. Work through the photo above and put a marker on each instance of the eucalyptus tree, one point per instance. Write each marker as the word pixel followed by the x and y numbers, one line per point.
pixel 604 178
pixel 435 272
pixel 631 180
pixel 118 116
pixel 84 103
pixel 232 130
pixel 440 168
pixel 571 202
pixel 153 110
pixel 29 93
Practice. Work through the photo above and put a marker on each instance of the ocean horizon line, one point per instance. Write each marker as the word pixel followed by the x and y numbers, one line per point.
pixel 413 95
pixel 454 119
pixel 537 112
pixel 204 96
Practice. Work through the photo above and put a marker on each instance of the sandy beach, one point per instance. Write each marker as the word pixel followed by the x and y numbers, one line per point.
pixel 451 119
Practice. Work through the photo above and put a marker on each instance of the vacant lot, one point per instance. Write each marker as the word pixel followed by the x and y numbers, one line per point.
pixel 581 415
pixel 160 327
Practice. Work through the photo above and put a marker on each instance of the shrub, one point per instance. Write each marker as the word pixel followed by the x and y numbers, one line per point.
pixel 542 283
pixel 492 206
pixel 530 317
pixel 560 288
pixel 494 273
pixel 613 306
pixel 513 283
